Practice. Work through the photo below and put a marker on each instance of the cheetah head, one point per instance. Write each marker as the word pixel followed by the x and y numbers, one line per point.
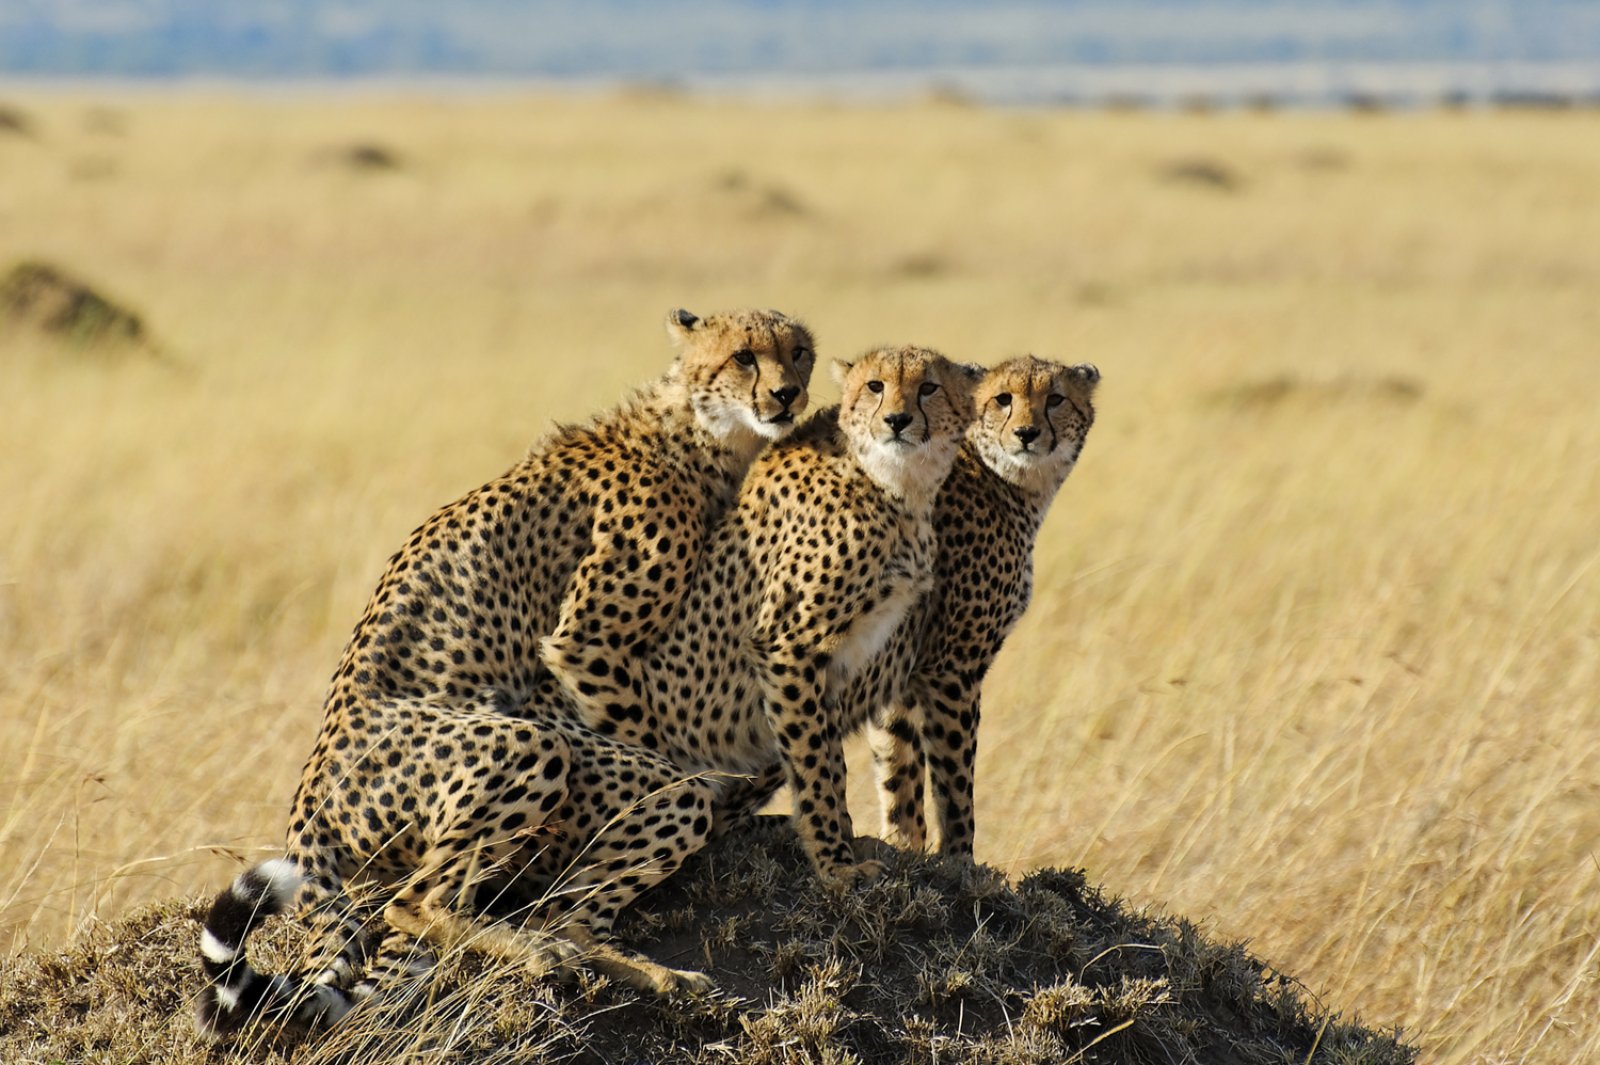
pixel 903 412
pixel 746 371
pixel 1032 418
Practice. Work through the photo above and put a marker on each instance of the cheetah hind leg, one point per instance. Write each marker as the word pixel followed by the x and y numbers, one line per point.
pixel 425 909
pixel 476 829
pixel 641 845
pixel 398 969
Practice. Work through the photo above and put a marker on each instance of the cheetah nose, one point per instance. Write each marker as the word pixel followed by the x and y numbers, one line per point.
pixel 897 422
pixel 786 394
pixel 1027 434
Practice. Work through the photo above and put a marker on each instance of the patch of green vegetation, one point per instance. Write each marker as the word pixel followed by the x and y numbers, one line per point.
pixel 57 303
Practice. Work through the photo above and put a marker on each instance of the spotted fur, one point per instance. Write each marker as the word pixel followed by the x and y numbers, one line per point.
pixel 920 693
pixel 1032 419
pixel 829 547
pixel 421 781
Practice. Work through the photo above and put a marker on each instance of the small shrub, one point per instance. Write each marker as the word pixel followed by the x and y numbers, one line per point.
pixel 1271 392
pixel 55 302
pixel 1201 173
pixel 361 157
pixel 15 122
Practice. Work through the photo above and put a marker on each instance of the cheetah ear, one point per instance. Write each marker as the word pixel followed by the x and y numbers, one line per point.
pixel 963 382
pixel 840 370
pixel 1085 374
pixel 680 323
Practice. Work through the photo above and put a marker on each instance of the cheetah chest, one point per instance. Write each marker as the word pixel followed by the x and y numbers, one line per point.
pixel 908 579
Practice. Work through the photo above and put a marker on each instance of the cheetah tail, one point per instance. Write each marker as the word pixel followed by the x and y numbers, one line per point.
pixel 234 991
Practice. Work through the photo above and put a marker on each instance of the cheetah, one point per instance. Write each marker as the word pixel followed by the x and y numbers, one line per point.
pixel 921 693
pixel 419 778
pixel 1032 419
pixel 828 548
pixel 632 506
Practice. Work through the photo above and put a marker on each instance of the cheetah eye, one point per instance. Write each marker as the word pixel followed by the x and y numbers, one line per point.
pixel 928 388
pixel 744 357
pixel 802 354
pixel 874 387
pixel 1055 401
pixel 1004 399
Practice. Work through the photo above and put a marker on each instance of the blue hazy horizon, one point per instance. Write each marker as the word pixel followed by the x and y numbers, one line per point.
pixel 1009 49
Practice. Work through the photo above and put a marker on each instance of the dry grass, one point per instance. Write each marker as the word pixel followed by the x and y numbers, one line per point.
pixel 940 961
pixel 1313 659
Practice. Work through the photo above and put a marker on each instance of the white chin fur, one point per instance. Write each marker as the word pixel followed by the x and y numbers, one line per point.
pixel 771 430
pixel 729 422
pixel 905 469
pixel 1028 470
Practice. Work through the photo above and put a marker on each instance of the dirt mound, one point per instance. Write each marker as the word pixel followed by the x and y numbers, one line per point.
pixel 1201 173
pixel 754 198
pixel 13 120
pixel 361 157
pixel 1272 392
pixel 941 961
pixel 49 299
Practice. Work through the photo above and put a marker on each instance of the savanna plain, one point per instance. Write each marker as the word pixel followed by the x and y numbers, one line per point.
pixel 1315 646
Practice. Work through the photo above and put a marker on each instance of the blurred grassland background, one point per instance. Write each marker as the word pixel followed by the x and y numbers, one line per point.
pixel 1315 646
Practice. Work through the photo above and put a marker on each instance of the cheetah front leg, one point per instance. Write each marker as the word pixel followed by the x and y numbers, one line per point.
pixel 430 908
pixel 624 591
pixel 641 845
pixel 810 739
pixel 506 781
pixel 950 739
pixel 895 735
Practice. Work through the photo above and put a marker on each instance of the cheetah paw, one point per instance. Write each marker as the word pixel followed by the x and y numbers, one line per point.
pixel 555 957
pixel 880 850
pixel 681 981
pixel 843 877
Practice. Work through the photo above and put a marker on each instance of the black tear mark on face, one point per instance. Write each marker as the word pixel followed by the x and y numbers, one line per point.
pixel 1011 412
pixel 749 362
pixel 877 406
pixel 927 423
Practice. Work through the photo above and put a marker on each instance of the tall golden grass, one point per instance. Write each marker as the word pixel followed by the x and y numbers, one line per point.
pixel 1313 654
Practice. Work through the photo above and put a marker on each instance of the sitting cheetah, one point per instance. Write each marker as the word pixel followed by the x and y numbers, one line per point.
pixel 830 545
pixel 1032 419
pixel 640 501
pixel 418 778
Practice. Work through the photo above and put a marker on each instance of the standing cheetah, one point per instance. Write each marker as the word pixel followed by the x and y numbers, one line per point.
pixel 1032 419
pixel 419 779
pixel 921 692
pixel 830 545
